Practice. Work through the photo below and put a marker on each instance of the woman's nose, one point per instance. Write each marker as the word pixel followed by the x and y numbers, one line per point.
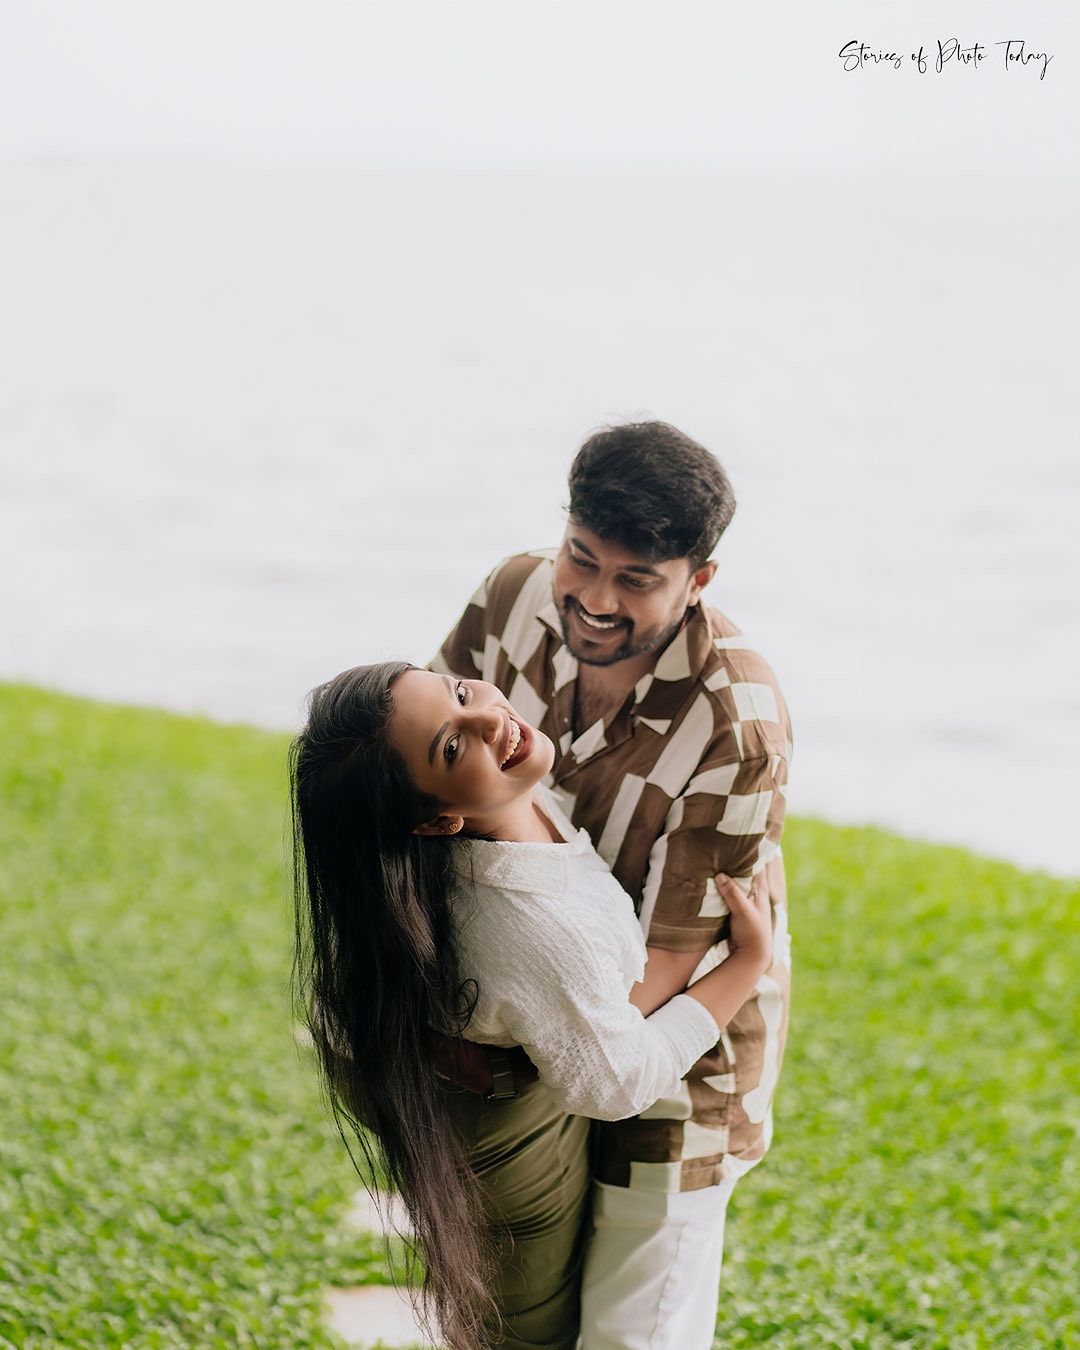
pixel 488 722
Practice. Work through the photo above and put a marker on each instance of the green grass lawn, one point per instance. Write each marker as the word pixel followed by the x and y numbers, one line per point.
pixel 168 1176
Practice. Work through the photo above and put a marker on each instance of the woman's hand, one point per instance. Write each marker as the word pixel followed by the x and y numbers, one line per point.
pixel 751 919
pixel 725 989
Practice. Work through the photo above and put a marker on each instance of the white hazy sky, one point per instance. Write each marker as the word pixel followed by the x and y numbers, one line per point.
pixel 684 82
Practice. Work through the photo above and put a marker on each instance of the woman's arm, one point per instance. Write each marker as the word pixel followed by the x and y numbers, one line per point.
pixel 594 1049
pixel 667 973
pixel 749 947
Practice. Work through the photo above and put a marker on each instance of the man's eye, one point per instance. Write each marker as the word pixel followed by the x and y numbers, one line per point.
pixel 635 583
pixel 580 562
pixel 450 749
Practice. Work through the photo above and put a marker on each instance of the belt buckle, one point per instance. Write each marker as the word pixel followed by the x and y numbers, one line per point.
pixel 502 1077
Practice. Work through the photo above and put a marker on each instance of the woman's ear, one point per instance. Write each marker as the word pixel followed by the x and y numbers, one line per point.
pixel 440 825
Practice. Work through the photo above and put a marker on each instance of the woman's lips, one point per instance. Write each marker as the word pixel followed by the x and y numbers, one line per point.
pixel 525 745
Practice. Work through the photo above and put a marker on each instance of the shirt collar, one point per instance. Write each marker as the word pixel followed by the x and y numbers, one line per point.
pixel 681 663
pixel 550 615
pixel 519 867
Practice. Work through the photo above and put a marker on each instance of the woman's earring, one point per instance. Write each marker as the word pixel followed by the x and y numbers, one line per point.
pixel 452 827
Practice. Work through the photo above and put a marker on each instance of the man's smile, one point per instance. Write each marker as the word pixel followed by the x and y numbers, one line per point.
pixel 593 623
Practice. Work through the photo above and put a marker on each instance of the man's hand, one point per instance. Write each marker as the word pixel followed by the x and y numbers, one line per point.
pixel 468 1065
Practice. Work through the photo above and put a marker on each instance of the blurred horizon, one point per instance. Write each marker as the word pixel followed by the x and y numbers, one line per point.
pixel 307 309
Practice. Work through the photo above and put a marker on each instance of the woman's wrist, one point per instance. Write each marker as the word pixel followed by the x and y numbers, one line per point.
pixel 757 959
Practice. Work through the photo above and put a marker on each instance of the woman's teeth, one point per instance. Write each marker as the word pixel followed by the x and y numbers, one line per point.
pixel 513 743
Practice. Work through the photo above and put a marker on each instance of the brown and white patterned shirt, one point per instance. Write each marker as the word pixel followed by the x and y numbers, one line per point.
pixel 685 780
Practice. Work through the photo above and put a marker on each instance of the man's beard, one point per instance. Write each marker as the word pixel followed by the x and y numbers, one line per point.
pixel 632 645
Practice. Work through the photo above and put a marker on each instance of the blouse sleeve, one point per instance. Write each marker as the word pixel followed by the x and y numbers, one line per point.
pixel 595 1051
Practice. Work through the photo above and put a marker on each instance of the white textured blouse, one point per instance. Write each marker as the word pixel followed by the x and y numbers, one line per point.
pixel 552 941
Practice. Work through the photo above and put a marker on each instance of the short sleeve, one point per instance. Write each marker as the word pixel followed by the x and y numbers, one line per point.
pixel 474 648
pixel 729 819
pixel 462 651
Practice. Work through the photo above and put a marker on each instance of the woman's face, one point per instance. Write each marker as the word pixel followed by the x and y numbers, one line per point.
pixel 465 745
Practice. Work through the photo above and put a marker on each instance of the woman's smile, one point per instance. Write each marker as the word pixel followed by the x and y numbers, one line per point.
pixel 519 744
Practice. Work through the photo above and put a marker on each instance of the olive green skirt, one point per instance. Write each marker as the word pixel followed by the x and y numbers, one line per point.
pixel 533 1163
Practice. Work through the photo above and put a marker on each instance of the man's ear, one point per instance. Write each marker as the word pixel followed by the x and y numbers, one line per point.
pixel 440 825
pixel 700 578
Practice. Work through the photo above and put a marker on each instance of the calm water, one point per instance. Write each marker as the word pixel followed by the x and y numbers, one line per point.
pixel 260 424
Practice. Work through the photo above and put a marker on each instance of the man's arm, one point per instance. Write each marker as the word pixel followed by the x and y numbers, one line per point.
pixel 473 649
pixel 729 819
pixel 461 652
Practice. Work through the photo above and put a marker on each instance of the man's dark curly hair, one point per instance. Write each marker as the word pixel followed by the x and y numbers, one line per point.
pixel 653 490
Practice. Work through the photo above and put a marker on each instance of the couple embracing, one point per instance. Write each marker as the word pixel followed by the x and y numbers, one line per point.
pixel 541 919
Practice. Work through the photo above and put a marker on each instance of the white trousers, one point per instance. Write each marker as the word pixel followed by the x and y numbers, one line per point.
pixel 652 1268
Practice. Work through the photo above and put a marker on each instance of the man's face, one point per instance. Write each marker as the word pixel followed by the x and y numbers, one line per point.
pixel 613 605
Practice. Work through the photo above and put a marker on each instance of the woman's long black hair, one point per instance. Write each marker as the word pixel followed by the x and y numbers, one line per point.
pixel 375 972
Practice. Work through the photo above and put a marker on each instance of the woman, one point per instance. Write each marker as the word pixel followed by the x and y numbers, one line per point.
pixel 440 889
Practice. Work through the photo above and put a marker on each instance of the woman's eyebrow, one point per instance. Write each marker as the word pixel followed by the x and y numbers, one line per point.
pixel 442 730
pixel 435 743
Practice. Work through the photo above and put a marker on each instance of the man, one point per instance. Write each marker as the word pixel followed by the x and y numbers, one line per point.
pixel 672 746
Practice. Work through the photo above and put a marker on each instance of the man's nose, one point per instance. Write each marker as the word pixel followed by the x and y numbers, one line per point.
pixel 598 597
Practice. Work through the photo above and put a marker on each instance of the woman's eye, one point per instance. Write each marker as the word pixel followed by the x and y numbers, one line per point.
pixel 450 749
pixel 462 693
